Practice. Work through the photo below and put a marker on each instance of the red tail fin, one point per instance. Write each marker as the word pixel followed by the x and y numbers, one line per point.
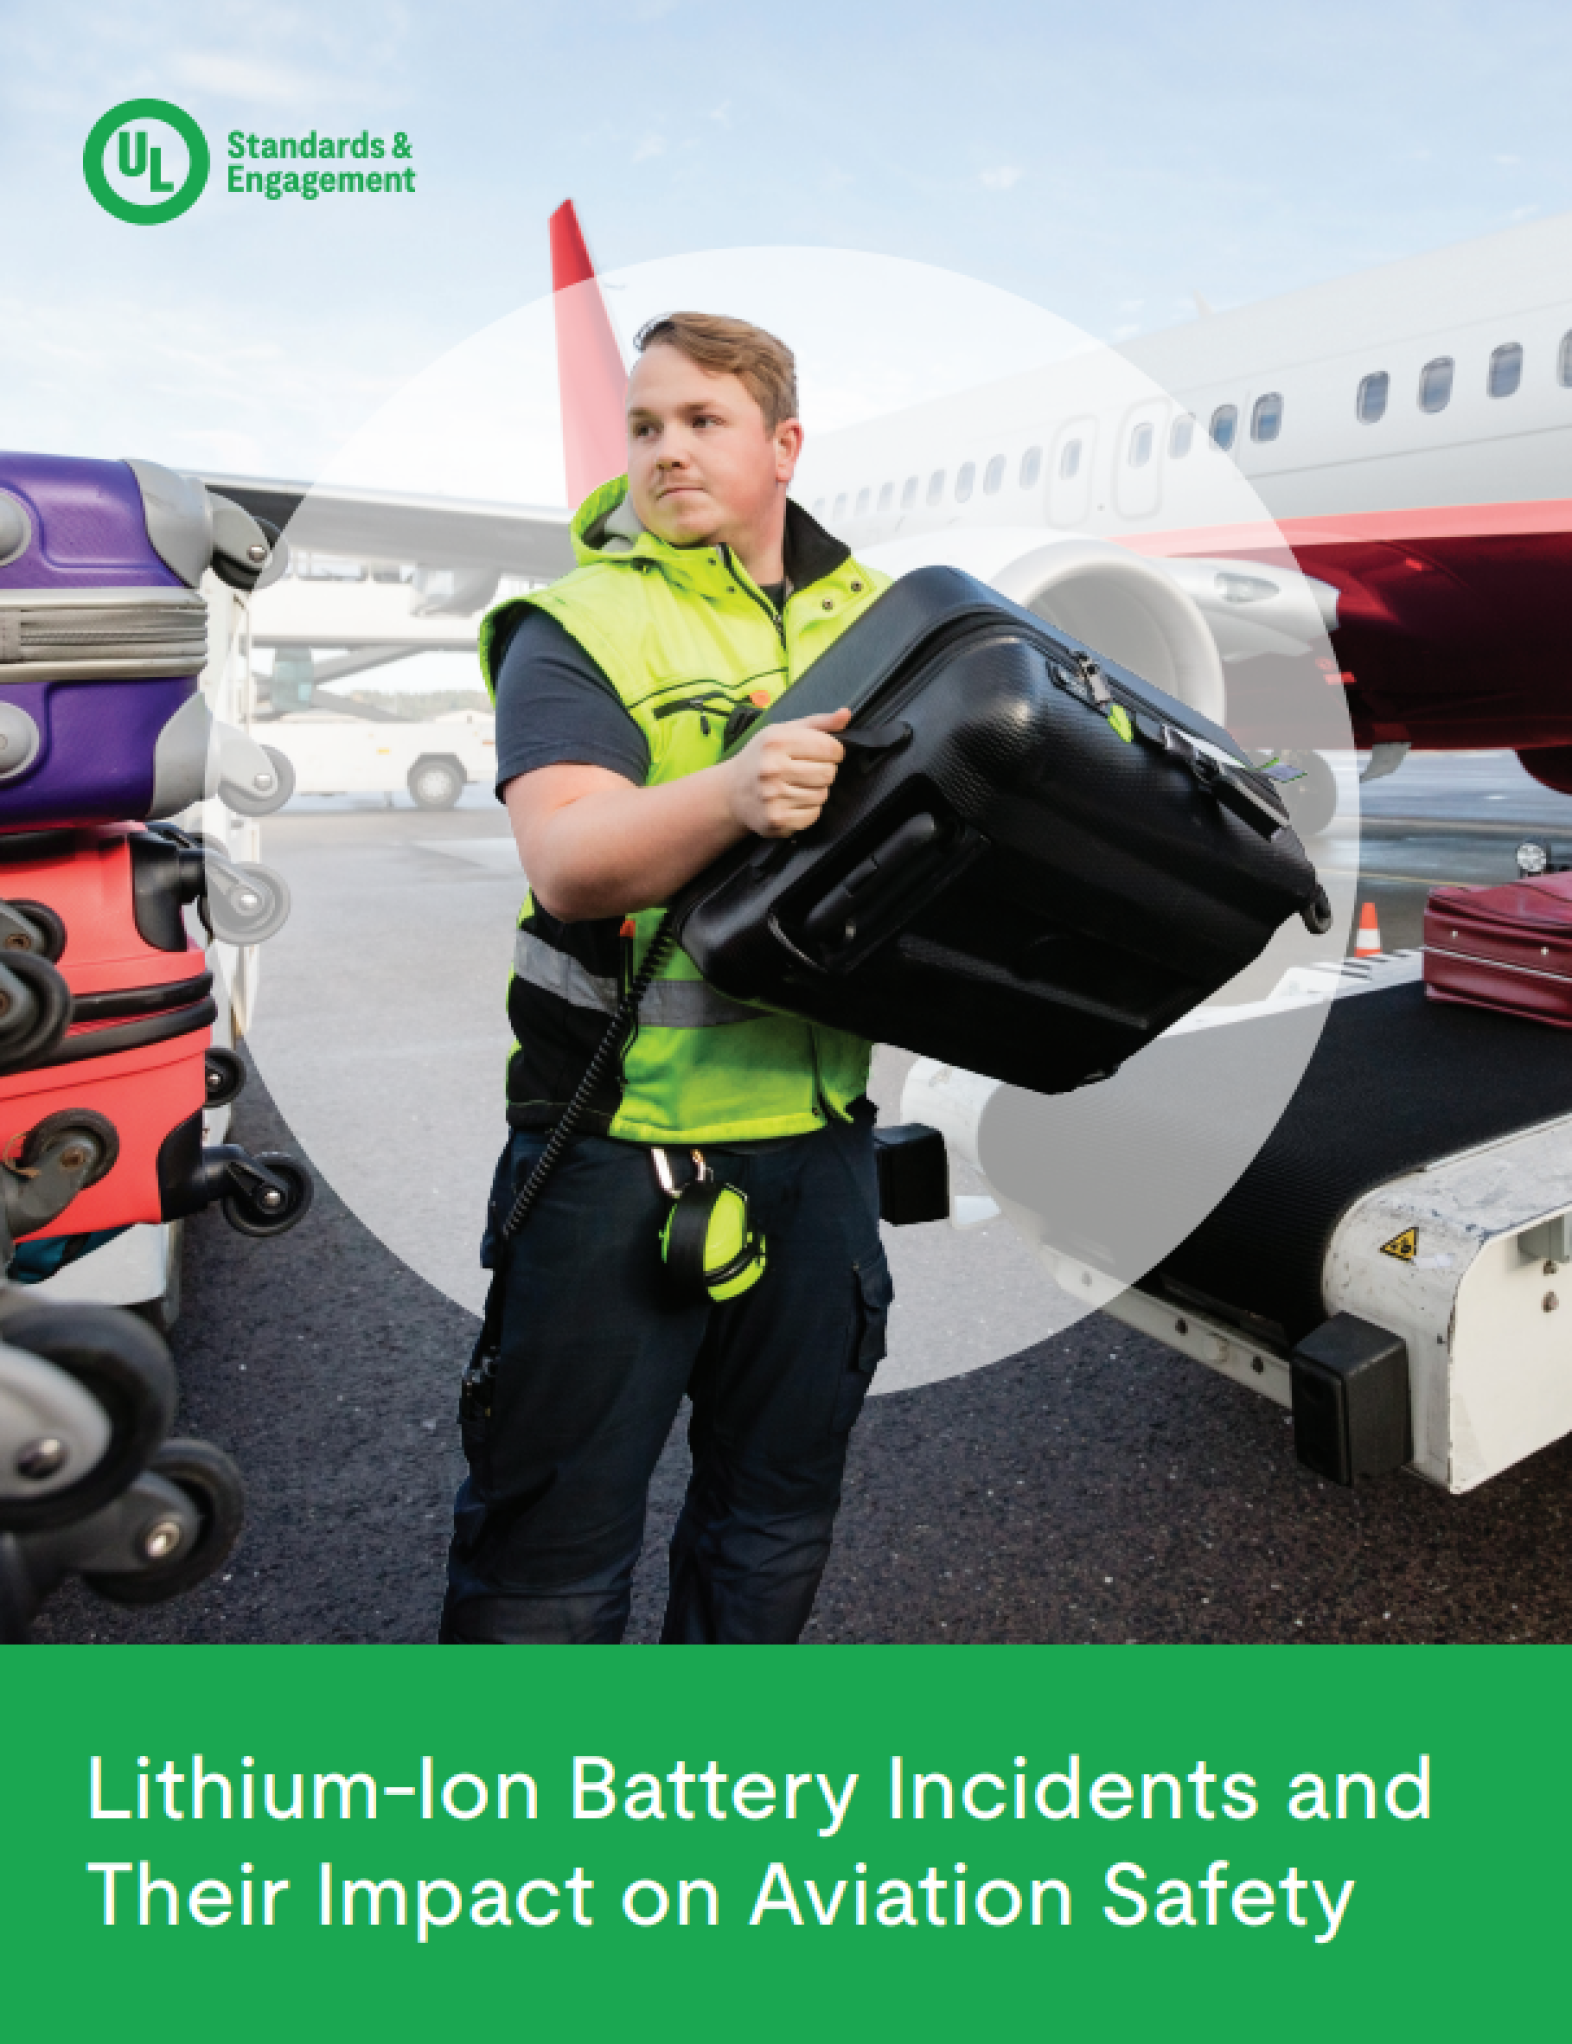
pixel 590 371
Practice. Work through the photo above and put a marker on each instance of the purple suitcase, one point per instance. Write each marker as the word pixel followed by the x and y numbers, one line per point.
pixel 103 634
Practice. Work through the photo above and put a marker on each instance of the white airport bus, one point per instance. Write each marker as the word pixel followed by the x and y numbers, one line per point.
pixel 339 752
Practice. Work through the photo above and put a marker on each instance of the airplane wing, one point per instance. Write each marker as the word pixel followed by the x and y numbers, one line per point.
pixel 386 525
pixel 479 538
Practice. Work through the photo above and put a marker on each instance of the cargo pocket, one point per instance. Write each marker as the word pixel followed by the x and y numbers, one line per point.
pixel 874 1293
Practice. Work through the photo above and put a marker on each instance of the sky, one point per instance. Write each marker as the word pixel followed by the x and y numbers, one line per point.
pixel 1101 165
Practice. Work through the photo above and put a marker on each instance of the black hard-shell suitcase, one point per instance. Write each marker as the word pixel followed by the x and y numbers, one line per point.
pixel 1031 863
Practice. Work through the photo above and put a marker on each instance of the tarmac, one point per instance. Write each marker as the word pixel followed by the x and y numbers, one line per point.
pixel 1023 1476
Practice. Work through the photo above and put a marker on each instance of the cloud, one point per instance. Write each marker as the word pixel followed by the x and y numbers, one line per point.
pixel 1509 162
pixel 722 113
pixel 246 79
pixel 652 145
pixel 1002 177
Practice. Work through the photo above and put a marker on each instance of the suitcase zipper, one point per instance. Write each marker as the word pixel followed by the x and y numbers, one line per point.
pixel 1496 964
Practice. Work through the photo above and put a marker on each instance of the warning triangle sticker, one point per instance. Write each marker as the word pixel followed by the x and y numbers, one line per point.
pixel 1404 1247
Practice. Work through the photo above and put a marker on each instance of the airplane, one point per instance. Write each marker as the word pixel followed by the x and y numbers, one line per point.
pixel 1363 481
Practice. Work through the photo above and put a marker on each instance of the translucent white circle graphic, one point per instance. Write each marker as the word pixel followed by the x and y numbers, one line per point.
pixel 1118 494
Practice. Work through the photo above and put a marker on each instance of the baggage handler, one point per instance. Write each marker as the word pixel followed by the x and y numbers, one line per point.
pixel 701 589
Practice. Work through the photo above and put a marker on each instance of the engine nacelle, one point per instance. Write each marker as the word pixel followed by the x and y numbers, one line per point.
pixel 1125 607
pixel 1173 622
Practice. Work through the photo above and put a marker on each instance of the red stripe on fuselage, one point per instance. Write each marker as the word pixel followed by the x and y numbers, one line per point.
pixel 1353 528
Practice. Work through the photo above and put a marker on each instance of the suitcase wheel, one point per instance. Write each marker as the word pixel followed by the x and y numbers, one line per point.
pixel 126 1368
pixel 262 801
pixel 51 931
pixel 70 1128
pixel 35 1009
pixel 225 1074
pixel 59 1157
pixel 1317 913
pixel 243 904
pixel 270 1204
pixel 212 1483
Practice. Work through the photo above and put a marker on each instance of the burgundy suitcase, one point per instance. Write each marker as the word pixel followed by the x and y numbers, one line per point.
pixel 1506 947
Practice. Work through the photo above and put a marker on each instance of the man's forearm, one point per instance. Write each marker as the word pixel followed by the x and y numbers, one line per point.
pixel 594 845
pixel 619 848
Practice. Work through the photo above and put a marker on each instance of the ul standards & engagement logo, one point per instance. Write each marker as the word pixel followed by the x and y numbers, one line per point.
pixel 146 161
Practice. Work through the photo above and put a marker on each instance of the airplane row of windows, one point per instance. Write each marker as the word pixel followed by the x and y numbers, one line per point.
pixel 1503 376
pixel 1266 421
pixel 1030 468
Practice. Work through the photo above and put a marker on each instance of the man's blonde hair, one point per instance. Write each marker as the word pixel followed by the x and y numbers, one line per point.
pixel 764 366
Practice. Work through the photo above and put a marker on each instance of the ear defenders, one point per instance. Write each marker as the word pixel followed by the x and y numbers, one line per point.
pixel 708 1244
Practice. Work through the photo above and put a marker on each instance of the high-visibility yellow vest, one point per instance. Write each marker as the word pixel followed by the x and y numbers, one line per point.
pixel 685 637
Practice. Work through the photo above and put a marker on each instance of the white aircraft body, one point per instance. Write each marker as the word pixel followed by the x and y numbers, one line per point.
pixel 1372 476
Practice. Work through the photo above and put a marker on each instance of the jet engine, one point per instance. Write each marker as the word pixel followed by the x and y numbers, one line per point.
pixel 1127 608
pixel 1178 623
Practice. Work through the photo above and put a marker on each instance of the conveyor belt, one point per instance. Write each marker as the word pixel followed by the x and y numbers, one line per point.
pixel 1396 1082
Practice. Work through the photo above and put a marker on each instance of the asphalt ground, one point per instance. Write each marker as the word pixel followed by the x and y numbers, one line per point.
pixel 1090 1487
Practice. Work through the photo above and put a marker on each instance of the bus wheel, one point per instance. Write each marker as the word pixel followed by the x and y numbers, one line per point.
pixel 435 783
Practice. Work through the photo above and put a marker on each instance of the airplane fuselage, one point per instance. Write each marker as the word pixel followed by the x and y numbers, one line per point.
pixel 1406 433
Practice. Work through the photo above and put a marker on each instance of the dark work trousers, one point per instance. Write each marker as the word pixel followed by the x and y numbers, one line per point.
pixel 595 1359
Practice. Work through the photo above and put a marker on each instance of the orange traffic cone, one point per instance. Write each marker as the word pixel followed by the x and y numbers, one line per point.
pixel 1368 942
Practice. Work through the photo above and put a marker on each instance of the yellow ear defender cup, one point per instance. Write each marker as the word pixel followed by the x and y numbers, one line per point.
pixel 708 1244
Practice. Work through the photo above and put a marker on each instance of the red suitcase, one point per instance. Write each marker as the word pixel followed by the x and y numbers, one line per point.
pixel 1504 947
pixel 109 905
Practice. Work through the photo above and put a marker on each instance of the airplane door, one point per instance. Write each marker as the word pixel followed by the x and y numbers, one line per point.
pixel 1138 459
pixel 1070 470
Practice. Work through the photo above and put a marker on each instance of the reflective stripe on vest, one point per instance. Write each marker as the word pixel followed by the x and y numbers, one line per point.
pixel 667 1003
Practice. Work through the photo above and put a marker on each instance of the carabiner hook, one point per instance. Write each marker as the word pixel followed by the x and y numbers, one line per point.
pixel 667 1183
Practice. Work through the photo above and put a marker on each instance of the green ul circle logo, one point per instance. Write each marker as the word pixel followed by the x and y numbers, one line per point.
pixel 146 161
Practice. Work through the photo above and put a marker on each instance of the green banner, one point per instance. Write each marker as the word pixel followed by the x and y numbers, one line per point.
pixel 924 1842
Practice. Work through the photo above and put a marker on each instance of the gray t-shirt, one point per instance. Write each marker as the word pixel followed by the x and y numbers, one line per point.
pixel 556 707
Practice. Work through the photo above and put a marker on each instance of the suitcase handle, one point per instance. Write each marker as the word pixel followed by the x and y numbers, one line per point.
pixel 871 744
pixel 883 876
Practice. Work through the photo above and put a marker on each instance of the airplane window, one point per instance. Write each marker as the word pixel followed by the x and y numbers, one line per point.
pixel 993 475
pixel 1031 467
pixel 885 495
pixel 1371 401
pixel 1140 446
pixel 1506 369
pixel 1435 384
pixel 936 486
pixel 862 503
pixel 1225 423
pixel 1564 365
pixel 909 494
pixel 964 481
pixel 1070 458
pixel 818 507
pixel 1180 434
pixel 1266 421
pixel 840 506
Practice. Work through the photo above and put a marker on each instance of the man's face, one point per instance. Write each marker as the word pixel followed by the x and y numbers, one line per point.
pixel 702 465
